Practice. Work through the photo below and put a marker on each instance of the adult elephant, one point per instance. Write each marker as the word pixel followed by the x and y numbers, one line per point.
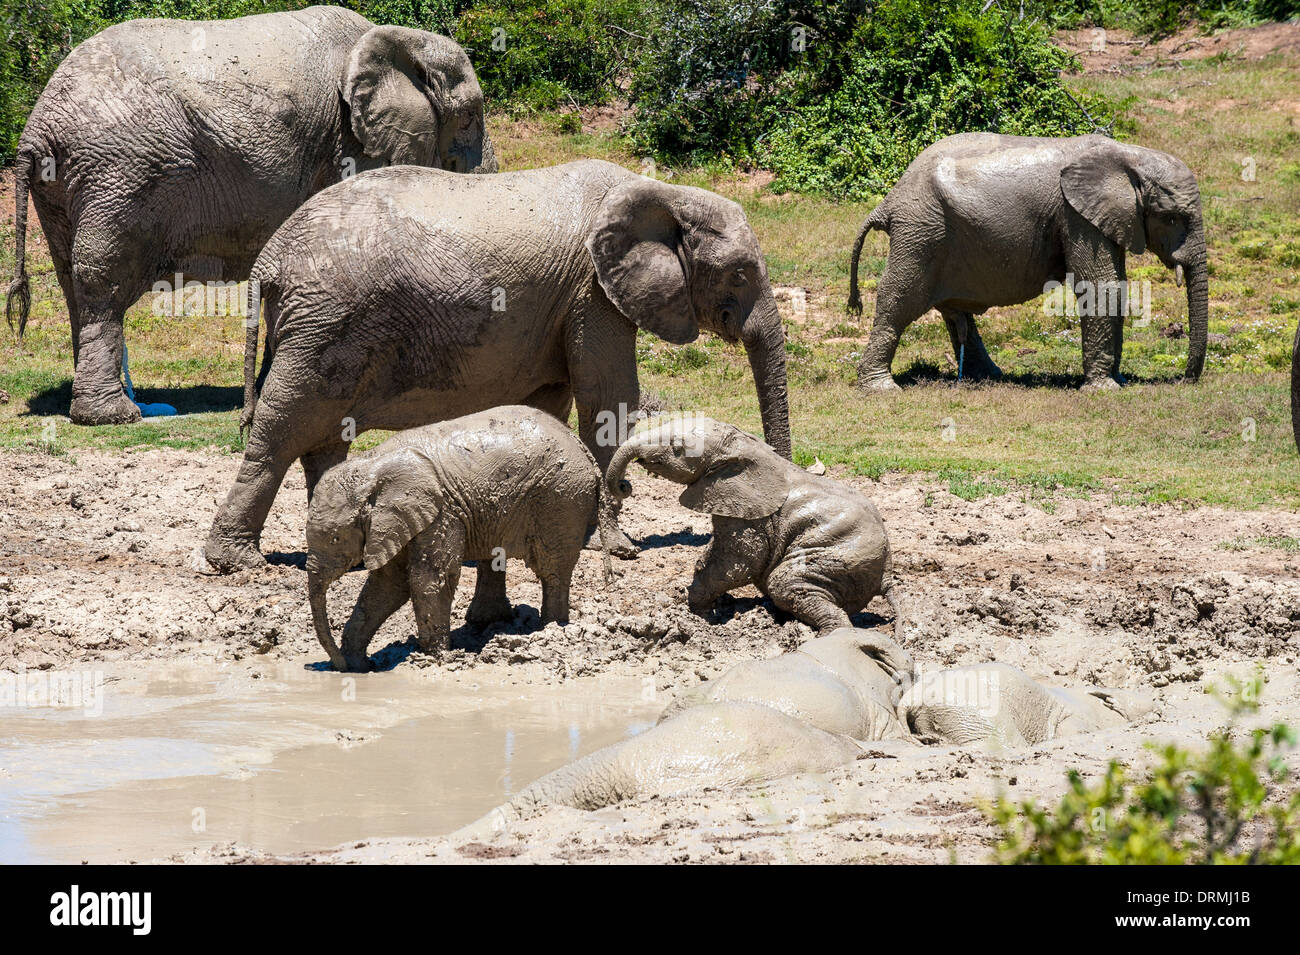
pixel 166 147
pixel 980 220
pixel 406 296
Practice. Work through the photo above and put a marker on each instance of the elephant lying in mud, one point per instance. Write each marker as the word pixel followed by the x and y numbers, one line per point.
pixel 981 219
pixel 405 296
pixel 816 547
pixel 998 704
pixel 169 147
pixel 510 482
pixel 810 711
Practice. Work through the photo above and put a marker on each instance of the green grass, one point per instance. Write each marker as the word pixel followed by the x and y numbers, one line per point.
pixel 1034 435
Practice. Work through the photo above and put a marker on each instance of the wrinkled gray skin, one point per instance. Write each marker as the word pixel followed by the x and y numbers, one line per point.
pixel 720 745
pixel 510 482
pixel 996 703
pixel 803 712
pixel 980 220
pixel 406 295
pixel 846 682
pixel 165 146
pixel 816 547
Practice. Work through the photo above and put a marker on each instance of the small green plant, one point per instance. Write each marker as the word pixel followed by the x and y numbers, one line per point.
pixel 1223 806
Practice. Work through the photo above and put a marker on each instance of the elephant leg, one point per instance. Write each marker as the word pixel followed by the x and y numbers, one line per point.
pixel 1098 267
pixel 382 595
pixel 104 278
pixel 599 431
pixel 435 558
pixel 733 559
pixel 902 297
pixel 973 359
pixel 556 400
pixel 316 463
pixel 554 568
pixel 490 603
pixel 63 272
pixel 277 439
pixel 805 600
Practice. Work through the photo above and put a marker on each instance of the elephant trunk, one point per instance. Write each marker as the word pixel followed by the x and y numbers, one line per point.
pixel 765 347
pixel 317 585
pixel 1198 306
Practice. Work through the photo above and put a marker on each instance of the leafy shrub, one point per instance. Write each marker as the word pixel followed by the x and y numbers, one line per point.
pixel 837 98
pixel 538 54
pixel 1217 807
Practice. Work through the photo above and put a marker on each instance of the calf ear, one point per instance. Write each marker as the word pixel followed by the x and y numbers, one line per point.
pixel 1103 188
pixel 642 261
pixel 403 501
pixel 746 480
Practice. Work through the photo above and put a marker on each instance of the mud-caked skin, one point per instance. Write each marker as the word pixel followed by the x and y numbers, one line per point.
pixel 997 704
pixel 722 745
pixel 406 295
pixel 512 482
pixel 817 548
pixel 166 146
pixel 980 220
pixel 847 682
pixel 809 711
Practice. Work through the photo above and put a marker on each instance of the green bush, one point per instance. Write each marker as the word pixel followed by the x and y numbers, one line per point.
pixel 838 99
pixel 538 54
pixel 1222 806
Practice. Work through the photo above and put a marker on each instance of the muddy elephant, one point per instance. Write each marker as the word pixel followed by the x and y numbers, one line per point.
pixel 164 152
pixel 980 220
pixel 510 482
pixel 815 547
pixel 847 682
pixel 996 703
pixel 407 295
pixel 716 745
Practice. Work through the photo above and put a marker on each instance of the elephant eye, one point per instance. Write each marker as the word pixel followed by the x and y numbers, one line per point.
pixel 738 280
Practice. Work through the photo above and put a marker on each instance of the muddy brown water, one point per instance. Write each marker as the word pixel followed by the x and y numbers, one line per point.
pixel 282 758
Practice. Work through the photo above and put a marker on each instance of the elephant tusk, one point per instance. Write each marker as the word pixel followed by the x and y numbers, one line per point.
pixel 1178 275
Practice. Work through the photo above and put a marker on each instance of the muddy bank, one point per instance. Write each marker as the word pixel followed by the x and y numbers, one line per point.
pixel 94 574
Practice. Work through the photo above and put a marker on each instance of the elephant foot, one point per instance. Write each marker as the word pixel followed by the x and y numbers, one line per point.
pixel 1100 384
pixel 353 663
pixel 989 372
pixel 226 557
pixel 619 546
pixel 482 614
pixel 879 385
pixel 100 410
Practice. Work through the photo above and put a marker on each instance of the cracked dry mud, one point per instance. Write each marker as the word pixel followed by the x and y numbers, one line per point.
pixel 94 571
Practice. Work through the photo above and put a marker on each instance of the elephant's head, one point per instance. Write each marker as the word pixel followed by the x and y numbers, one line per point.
pixel 726 471
pixel 413 99
pixel 675 260
pixel 1143 199
pixel 366 509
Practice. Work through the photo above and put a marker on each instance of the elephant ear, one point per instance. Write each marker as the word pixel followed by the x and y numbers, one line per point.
pixel 400 86
pixel 403 501
pixel 642 261
pixel 1103 188
pixel 747 480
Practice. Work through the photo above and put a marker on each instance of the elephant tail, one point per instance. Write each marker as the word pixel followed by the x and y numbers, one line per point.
pixel 879 219
pixel 252 318
pixel 889 590
pixel 20 293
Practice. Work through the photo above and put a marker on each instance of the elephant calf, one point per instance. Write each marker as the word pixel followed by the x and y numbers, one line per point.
pixel 996 703
pixel 816 547
pixel 512 481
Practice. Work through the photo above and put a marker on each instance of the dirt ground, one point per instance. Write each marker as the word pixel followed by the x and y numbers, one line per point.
pixel 1119 51
pixel 94 568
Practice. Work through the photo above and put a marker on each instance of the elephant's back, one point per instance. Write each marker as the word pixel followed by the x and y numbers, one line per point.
pixel 798 686
pixel 238 80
